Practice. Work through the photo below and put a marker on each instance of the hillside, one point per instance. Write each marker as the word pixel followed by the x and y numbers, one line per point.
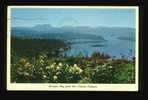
pixel 69 32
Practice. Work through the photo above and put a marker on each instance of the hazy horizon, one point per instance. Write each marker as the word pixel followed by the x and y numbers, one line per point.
pixel 74 26
pixel 57 17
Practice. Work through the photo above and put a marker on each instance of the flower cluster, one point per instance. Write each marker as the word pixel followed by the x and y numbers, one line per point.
pixel 24 71
pixel 71 70
pixel 75 69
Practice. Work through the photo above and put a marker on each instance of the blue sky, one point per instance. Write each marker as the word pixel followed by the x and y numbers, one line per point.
pixel 57 17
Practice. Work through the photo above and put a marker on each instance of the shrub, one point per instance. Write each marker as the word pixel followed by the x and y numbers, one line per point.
pixel 44 69
pixel 125 73
pixel 103 74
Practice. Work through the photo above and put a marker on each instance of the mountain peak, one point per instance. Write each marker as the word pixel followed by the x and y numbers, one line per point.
pixel 42 26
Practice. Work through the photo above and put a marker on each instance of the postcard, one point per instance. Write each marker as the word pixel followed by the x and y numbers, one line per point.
pixel 72 48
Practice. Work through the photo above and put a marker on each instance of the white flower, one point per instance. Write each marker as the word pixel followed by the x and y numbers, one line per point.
pixel 47 67
pixel 52 65
pixel 67 65
pixel 60 64
pixel 58 68
pixel 110 66
pixel 70 70
pixel 75 65
pixel 57 73
pixel 27 64
pixel 77 68
pixel 80 70
pixel 26 74
pixel 41 69
pixel 55 77
pixel 44 76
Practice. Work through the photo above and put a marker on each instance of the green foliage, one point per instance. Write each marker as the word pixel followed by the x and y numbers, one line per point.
pixel 43 69
pixel 32 47
pixel 103 74
pixel 41 61
pixel 125 73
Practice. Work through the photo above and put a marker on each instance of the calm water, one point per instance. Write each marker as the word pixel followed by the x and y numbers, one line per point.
pixel 113 47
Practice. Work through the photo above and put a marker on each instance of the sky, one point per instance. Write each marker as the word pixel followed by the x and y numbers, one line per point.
pixel 57 17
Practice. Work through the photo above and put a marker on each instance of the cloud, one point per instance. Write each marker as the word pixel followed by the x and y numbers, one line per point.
pixel 28 19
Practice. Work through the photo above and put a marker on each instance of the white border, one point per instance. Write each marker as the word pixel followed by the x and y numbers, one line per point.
pixel 51 87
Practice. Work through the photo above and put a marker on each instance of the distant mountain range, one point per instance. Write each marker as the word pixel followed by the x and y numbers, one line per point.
pixel 71 32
